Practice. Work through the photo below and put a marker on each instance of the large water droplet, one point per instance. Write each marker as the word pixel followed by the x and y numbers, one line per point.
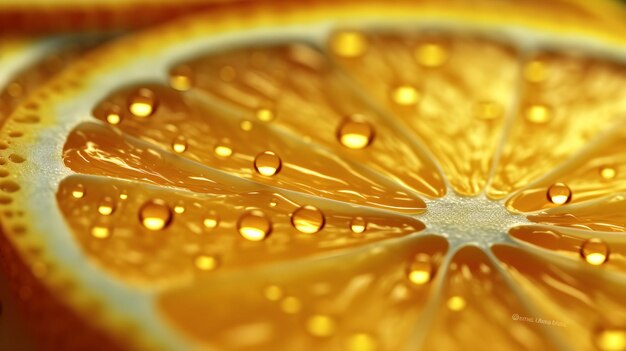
pixel 267 163
pixel 155 214
pixel 142 103
pixel 254 225
pixel 106 207
pixel 355 135
pixel 358 225
pixel 308 219
pixel 559 193
pixel 595 251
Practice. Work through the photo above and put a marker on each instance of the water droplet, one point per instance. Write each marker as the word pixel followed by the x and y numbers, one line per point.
pixel 206 262
pixel 608 172
pixel 535 71
pixel 611 339
pixel 265 114
pixel 223 151
pixel 486 110
pixel 291 305
pixel 179 209
pixel 431 55
pixel 320 325
pixel 155 215
pixel 106 207
pixel 421 270
pixel 273 292
pixel 349 44
pixel 405 95
pixel 559 193
pixel 358 225
pixel 246 125
pixel 79 191
pixel 595 251
pixel 179 144
pixel 100 232
pixel 267 163
pixel 538 114
pixel 113 116
pixel 456 303
pixel 355 135
pixel 211 220
pixel 361 342
pixel 142 103
pixel 123 196
pixel 254 225
pixel 180 78
pixel 308 219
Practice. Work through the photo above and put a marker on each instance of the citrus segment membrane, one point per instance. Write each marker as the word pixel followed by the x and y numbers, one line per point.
pixel 566 101
pixel 598 171
pixel 605 214
pixel 296 91
pixel 326 305
pixel 578 299
pixel 156 237
pixel 593 248
pixel 474 301
pixel 452 92
pixel 183 126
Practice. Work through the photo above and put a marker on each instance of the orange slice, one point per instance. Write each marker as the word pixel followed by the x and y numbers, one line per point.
pixel 348 176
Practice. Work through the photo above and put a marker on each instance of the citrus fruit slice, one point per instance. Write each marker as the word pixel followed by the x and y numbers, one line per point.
pixel 348 176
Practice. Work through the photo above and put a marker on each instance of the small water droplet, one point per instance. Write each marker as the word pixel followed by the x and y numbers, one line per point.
pixel 559 194
pixel 211 220
pixel 79 191
pixel 265 114
pixel 179 144
pixel 487 110
pixel 358 225
pixel 267 163
pixel 431 55
pixel 206 262
pixel 538 114
pixel 106 207
pixel 456 303
pixel 155 215
pixel 273 292
pixel 291 305
pixel 179 209
pixel 246 125
pixel 113 116
pixel 223 151
pixel 420 270
pixel 100 232
pixel 361 342
pixel 180 78
pixel 608 172
pixel 123 196
pixel 308 219
pixel 535 71
pixel 254 225
pixel 355 135
pixel 348 44
pixel 405 95
pixel 142 103
pixel 594 251
pixel 611 339
pixel 321 326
